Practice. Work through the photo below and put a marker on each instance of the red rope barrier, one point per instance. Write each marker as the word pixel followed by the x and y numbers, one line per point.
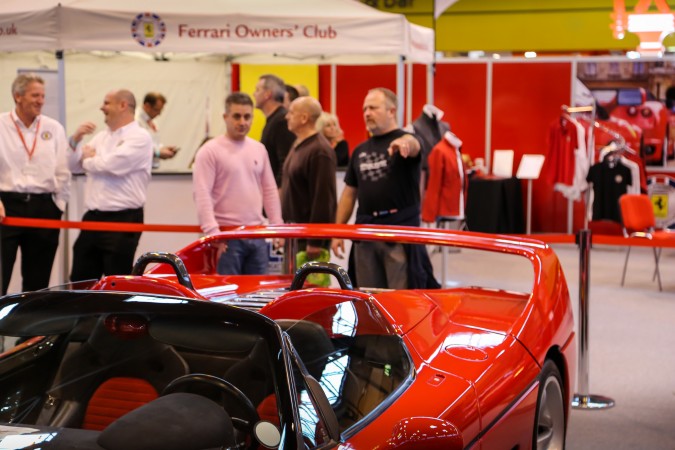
pixel 659 239
pixel 98 226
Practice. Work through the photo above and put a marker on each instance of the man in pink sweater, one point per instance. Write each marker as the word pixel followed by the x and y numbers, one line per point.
pixel 232 181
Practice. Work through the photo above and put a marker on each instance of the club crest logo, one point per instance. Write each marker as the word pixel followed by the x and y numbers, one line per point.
pixel 148 29
pixel 46 135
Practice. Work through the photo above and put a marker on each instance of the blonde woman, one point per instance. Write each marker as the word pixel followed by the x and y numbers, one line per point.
pixel 329 126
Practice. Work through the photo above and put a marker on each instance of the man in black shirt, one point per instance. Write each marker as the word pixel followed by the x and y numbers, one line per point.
pixel 277 139
pixel 384 175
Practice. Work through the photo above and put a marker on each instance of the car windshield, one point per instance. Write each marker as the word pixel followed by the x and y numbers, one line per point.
pixel 629 97
pixel 355 356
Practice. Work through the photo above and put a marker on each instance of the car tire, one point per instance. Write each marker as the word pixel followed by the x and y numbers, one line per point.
pixel 549 424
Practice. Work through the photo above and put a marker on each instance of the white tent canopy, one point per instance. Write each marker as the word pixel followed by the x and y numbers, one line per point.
pixel 247 31
pixel 271 31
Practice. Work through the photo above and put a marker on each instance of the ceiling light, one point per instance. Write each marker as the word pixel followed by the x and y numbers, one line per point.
pixel 650 45
pixel 651 22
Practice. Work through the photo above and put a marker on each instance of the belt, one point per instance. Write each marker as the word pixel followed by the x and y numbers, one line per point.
pixel 24 196
pixel 98 212
pixel 385 212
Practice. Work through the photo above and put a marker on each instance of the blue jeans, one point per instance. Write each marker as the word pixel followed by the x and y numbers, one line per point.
pixel 244 257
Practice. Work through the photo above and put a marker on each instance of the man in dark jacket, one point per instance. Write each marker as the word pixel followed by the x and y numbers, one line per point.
pixel 277 139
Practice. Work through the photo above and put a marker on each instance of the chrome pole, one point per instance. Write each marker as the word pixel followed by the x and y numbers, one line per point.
pixel 528 227
pixel 582 399
pixel 290 250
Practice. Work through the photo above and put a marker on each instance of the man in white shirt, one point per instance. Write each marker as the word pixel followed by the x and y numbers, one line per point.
pixel 35 182
pixel 152 107
pixel 118 163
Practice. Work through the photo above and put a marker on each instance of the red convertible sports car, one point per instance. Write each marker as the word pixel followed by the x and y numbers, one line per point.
pixel 176 356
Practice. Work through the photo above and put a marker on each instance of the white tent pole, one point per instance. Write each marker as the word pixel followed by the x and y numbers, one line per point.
pixel 400 89
pixel 408 93
pixel 488 116
pixel 64 235
pixel 431 69
pixel 333 89
pixel 61 77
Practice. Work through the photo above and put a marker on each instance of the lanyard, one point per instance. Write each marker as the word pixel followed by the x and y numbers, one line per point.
pixel 23 141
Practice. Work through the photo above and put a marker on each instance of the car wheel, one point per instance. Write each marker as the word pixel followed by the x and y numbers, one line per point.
pixel 549 425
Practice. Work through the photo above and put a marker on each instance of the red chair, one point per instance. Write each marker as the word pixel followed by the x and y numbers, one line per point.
pixel 637 213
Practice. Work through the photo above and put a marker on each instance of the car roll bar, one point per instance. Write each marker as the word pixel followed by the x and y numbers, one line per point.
pixel 321 267
pixel 164 258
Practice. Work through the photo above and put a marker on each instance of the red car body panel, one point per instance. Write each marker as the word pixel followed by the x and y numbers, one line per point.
pixel 511 427
pixel 477 352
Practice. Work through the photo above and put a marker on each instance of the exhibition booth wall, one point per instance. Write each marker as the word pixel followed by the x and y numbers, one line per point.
pixel 495 104
pixel 489 105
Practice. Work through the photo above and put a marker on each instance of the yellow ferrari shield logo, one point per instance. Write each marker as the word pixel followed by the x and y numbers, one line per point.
pixel 660 203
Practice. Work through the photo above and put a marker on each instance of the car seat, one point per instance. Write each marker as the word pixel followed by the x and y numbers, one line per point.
pixel 116 370
pixel 253 374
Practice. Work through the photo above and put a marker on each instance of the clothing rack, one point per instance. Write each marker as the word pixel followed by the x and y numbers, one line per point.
pixel 620 139
pixel 619 148
pixel 590 144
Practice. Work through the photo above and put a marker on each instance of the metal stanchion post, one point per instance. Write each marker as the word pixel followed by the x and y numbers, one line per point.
pixel 290 250
pixel 444 257
pixel 65 240
pixel 582 399
pixel 528 229
pixel 1 279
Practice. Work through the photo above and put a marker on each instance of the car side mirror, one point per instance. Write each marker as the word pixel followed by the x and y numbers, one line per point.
pixel 429 433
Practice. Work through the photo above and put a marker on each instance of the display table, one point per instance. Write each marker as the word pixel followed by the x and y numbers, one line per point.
pixel 495 205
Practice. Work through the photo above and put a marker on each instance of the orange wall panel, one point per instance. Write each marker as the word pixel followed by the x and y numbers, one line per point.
pixel 419 90
pixel 526 98
pixel 353 83
pixel 460 91
pixel 324 87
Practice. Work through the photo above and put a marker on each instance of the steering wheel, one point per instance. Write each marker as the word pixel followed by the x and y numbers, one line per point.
pixel 250 414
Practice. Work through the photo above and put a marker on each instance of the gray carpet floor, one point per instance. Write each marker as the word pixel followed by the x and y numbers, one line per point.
pixel 631 340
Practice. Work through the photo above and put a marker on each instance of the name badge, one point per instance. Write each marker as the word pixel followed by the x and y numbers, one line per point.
pixel 30 170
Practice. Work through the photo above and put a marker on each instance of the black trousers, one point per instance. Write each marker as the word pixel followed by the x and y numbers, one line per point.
pixel 38 245
pixel 98 253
